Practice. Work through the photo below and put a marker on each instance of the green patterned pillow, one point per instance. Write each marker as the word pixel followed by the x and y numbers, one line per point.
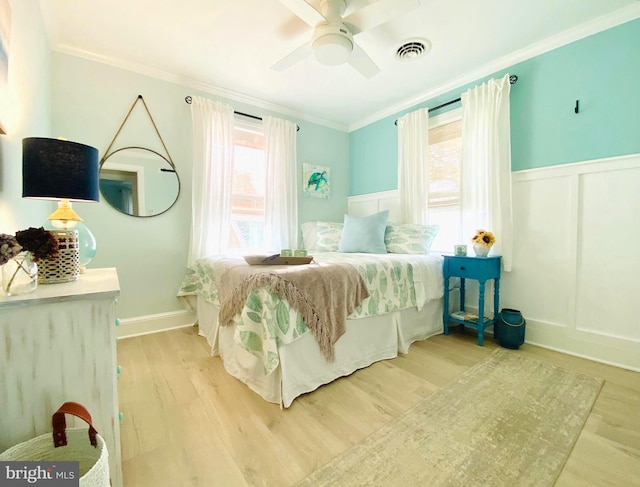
pixel 328 236
pixel 409 238
pixel 309 237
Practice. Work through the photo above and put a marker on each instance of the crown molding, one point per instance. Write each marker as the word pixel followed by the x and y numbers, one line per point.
pixel 563 38
pixel 581 31
pixel 196 85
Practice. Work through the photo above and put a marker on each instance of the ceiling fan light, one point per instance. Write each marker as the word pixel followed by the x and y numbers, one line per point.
pixel 332 49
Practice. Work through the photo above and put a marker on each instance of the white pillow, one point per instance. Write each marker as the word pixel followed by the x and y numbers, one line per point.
pixel 309 235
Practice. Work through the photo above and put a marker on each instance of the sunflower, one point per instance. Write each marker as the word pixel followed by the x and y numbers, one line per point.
pixel 484 238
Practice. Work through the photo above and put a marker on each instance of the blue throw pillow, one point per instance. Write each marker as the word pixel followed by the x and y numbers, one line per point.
pixel 364 233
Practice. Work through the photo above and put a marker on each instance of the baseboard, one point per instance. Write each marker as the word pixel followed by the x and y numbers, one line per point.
pixel 143 325
pixel 602 348
pixel 599 347
pixel 605 349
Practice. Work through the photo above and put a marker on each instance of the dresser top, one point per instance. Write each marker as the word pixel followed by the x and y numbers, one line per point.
pixel 94 283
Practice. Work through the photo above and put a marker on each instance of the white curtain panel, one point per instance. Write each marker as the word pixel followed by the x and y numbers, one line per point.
pixel 413 143
pixel 486 165
pixel 213 149
pixel 281 194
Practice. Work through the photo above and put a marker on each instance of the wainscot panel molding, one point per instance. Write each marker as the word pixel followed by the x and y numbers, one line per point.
pixel 368 204
pixel 576 263
pixel 58 344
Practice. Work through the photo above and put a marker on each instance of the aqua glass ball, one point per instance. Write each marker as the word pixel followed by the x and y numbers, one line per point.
pixel 87 244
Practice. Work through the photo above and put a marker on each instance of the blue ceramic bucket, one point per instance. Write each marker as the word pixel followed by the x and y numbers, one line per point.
pixel 510 328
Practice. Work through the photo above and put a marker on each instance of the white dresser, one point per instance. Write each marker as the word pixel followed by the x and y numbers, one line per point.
pixel 58 344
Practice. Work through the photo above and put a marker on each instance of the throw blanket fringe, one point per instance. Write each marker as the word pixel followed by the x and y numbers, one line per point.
pixel 324 297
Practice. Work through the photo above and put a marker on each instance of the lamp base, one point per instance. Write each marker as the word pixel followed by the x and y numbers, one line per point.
pixel 64 217
pixel 65 267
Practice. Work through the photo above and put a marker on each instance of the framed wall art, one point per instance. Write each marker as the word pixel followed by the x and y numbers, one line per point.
pixel 316 181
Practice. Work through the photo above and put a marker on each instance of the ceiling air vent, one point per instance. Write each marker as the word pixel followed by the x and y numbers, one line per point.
pixel 412 49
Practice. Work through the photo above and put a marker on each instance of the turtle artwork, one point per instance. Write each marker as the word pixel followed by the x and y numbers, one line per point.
pixel 317 178
pixel 316 181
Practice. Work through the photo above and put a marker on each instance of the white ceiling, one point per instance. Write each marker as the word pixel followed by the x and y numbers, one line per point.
pixel 228 46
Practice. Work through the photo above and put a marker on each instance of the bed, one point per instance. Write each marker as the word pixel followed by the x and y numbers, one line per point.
pixel 267 344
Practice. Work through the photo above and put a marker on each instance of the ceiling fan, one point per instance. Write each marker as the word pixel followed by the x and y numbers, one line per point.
pixel 333 41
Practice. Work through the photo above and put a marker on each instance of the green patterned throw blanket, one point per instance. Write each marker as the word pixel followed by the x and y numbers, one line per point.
pixel 324 294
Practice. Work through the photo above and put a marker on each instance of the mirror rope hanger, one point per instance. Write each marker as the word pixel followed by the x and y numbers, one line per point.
pixel 139 98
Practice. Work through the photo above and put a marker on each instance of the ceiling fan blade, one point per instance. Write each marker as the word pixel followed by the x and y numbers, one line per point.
pixel 293 57
pixel 377 13
pixel 292 28
pixel 362 63
pixel 305 11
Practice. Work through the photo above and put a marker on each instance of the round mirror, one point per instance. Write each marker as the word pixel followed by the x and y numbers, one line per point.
pixel 139 181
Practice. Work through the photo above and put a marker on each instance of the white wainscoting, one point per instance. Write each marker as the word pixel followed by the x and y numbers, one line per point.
pixel 368 204
pixel 576 261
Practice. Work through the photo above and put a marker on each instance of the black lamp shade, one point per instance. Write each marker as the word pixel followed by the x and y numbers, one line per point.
pixel 56 169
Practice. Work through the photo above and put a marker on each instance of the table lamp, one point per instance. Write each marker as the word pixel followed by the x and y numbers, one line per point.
pixel 63 171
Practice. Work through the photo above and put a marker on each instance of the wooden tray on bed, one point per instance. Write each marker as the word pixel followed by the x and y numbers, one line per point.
pixel 276 260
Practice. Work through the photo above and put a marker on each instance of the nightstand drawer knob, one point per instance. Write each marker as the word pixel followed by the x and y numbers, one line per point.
pixel 120 416
pixel 119 370
pixel 117 321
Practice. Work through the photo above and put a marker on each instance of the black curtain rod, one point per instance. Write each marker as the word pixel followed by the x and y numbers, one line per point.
pixel 188 99
pixel 513 79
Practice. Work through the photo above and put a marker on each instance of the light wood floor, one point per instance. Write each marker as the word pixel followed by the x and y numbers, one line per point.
pixel 188 423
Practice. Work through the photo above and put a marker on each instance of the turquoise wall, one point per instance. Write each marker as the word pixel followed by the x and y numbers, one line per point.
pixel 25 112
pixel 62 95
pixel 325 147
pixel 90 101
pixel 602 71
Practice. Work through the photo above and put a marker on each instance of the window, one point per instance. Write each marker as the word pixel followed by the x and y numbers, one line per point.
pixel 445 150
pixel 248 193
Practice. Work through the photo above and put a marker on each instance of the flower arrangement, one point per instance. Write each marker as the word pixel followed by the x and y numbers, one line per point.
pixel 9 248
pixel 483 238
pixel 26 246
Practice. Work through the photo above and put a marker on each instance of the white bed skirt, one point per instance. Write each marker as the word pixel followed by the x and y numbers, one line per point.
pixel 302 367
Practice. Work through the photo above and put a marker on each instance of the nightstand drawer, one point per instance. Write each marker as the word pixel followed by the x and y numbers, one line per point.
pixel 462 268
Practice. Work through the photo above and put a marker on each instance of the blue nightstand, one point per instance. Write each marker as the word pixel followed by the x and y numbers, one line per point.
pixel 481 269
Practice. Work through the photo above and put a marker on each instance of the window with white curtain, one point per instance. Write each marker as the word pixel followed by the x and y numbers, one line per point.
pixel 249 183
pixel 445 150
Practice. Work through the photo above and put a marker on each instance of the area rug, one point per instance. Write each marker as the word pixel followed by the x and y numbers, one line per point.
pixel 508 421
